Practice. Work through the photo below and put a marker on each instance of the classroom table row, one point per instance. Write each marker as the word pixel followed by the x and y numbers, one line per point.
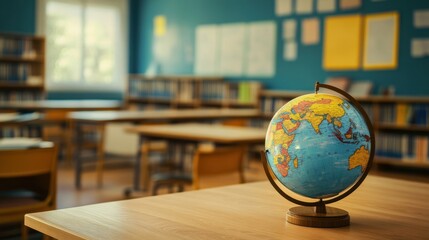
pixel 75 123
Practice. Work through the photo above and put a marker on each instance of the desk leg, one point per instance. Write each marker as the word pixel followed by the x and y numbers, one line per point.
pixel 78 160
pixel 70 128
pixel 100 154
pixel 138 167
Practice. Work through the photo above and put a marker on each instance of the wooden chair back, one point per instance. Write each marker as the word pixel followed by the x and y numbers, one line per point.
pixel 27 182
pixel 221 160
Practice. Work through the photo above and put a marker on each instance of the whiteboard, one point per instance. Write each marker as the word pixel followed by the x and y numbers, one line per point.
pixel 233 42
pixel 206 50
pixel 236 49
pixel 261 49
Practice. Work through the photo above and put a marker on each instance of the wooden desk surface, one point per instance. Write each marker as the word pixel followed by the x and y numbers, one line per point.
pixel 202 132
pixel 17 119
pixel 381 208
pixel 74 105
pixel 159 115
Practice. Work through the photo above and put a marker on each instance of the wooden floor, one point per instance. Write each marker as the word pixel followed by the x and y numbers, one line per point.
pixel 118 178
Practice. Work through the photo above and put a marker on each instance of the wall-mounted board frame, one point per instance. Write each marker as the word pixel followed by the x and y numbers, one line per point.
pixel 381 41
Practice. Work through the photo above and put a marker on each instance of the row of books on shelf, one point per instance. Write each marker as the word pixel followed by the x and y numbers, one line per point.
pixel 216 91
pixel 245 92
pixel 14 72
pixel 186 91
pixel 16 47
pixel 20 96
pixel 241 92
pixel 13 132
pixel 405 114
pixel 270 105
pixel 151 89
pixel 403 147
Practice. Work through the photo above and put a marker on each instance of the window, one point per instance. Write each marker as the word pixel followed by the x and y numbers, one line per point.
pixel 86 43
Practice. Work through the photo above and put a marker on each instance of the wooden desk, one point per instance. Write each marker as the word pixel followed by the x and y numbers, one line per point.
pixel 69 105
pixel 191 133
pixel 101 118
pixel 381 208
pixel 54 112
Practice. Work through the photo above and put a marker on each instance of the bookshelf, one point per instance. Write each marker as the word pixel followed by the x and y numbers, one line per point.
pixel 149 92
pixel 22 67
pixel 401 125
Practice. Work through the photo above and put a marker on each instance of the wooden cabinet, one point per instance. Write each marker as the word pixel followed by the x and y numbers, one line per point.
pixel 401 125
pixel 22 67
pixel 145 92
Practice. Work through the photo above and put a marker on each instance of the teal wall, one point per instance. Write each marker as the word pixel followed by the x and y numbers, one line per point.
pixel 183 16
pixel 18 16
pixel 410 78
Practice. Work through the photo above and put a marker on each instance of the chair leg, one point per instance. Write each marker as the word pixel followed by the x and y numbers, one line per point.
pixel 155 189
pixel 100 156
pixel 24 232
pixel 170 188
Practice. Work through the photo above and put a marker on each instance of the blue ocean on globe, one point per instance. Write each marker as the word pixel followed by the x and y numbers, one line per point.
pixel 318 145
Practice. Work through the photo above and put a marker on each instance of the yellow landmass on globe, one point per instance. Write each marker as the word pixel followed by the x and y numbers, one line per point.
pixel 314 109
pixel 295 162
pixel 315 121
pixel 359 158
pixel 291 122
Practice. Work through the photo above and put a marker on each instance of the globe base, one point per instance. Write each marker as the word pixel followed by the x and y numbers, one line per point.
pixel 308 217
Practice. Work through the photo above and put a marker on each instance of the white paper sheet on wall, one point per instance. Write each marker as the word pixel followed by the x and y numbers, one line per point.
pixel 421 18
pixel 233 42
pixel 290 51
pixel 326 6
pixel 304 6
pixel 381 42
pixel 283 7
pixel 419 47
pixel 206 50
pixel 310 31
pixel 289 29
pixel 261 49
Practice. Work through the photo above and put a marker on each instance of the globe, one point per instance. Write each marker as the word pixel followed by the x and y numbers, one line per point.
pixel 318 145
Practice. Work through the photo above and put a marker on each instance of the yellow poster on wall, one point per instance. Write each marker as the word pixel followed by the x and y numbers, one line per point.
pixel 342 42
pixel 159 25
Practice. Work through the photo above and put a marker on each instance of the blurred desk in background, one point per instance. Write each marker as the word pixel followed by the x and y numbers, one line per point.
pixel 100 119
pixel 49 119
pixel 191 133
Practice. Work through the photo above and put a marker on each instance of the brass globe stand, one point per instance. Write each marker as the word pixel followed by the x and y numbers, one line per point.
pixel 310 214
pixel 317 214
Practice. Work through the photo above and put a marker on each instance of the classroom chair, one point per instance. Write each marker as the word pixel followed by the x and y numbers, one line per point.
pixel 216 161
pixel 27 183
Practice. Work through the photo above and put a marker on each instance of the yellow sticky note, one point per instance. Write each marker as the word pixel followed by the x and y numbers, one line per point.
pixel 342 42
pixel 159 26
